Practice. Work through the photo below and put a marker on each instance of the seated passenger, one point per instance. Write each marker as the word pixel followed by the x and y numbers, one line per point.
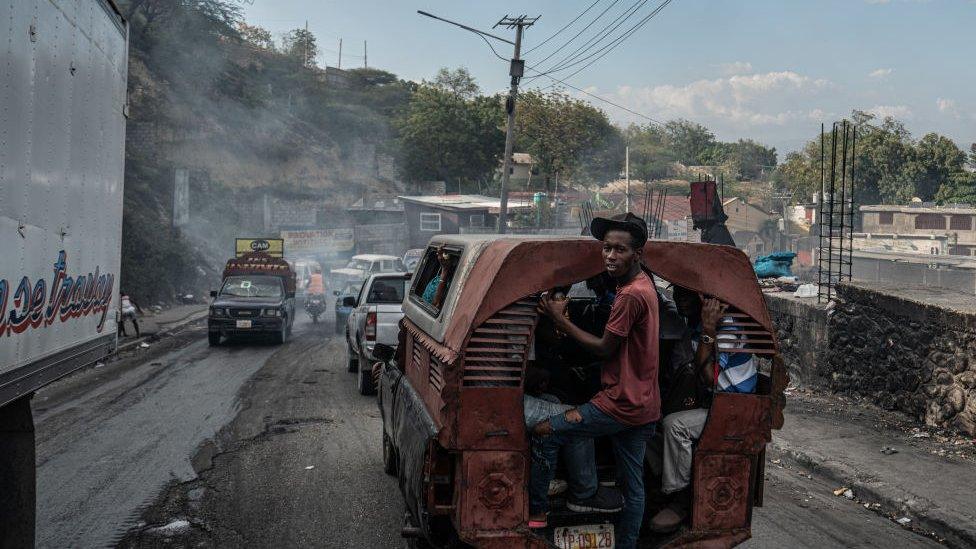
pixel 733 373
pixel 579 454
pixel 436 289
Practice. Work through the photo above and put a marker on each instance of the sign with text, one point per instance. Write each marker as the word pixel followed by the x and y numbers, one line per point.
pixel 275 247
pixel 319 241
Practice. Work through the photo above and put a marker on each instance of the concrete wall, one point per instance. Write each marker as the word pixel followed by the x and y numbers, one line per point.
pixel 903 354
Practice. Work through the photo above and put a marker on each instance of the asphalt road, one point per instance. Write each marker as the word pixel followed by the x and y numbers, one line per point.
pixel 257 445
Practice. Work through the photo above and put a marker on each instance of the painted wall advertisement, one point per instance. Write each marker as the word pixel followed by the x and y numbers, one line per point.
pixel 319 241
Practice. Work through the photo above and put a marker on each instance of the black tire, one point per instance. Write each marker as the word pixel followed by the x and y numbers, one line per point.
pixel 389 456
pixel 352 361
pixel 365 382
pixel 213 338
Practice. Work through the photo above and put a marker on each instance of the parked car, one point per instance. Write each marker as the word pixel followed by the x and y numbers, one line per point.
pixel 361 266
pixel 342 311
pixel 451 395
pixel 374 319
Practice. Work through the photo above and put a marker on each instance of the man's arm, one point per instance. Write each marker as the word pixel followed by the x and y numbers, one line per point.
pixel 602 347
pixel 712 312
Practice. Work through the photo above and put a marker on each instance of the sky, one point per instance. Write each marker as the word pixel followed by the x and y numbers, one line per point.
pixel 769 70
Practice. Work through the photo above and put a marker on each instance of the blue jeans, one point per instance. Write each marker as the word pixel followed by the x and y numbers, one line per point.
pixel 578 451
pixel 629 443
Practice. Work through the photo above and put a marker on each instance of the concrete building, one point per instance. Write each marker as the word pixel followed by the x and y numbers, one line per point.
pixel 427 216
pixel 957 224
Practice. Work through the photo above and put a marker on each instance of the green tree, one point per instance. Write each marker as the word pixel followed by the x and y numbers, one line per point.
pixel 256 36
pixel 937 158
pixel 959 189
pixel 689 141
pixel 300 44
pixel 651 154
pixel 563 134
pixel 458 82
pixel 445 137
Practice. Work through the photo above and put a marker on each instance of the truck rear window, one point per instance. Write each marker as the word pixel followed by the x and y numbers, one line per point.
pixel 387 291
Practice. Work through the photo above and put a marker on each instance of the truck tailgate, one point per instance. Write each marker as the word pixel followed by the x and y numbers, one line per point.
pixel 388 323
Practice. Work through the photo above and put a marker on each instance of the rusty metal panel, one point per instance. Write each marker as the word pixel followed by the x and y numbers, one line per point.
pixel 737 423
pixel 722 491
pixel 495 497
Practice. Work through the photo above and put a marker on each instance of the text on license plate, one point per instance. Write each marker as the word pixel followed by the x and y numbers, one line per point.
pixel 243 323
pixel 587 536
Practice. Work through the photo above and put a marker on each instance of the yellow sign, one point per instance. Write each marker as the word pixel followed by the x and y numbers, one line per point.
pixel 275 247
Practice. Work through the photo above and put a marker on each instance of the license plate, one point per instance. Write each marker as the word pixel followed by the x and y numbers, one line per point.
pixel 586 536
pixel 243 323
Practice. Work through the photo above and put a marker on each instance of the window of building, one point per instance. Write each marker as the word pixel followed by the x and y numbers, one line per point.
pixel 930 221
pixel 961 222
pixel 430 222
pixel 958 250
pixel 476 220
pixel 886 218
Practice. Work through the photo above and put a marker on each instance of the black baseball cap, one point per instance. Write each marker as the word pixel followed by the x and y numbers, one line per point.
pixel 621 222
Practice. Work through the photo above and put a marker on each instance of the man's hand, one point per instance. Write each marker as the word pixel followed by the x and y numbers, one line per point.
pixel 554 309
pixel 377 372
pixel 443 258
pixel 573 416
pixel 712 312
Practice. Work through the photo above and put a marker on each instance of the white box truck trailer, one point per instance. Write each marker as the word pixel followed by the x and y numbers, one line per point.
pixel 63 69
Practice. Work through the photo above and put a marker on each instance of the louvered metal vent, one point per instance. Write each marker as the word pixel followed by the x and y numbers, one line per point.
pixel 436 374
pixel 496 353
pixel 749 335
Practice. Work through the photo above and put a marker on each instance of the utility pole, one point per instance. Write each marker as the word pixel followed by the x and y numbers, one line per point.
pixel 627 173
pixel 340 54
pixel 305 44
pixel 516 70
pixel 365 58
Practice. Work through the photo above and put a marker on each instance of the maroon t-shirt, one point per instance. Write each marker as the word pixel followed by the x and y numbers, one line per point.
pixel 630 392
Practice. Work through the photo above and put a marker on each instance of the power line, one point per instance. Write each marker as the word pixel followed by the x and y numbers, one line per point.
pixel 599 37
pixel 575 36
pixel 566 26
pixel 594 96
pixel 610 47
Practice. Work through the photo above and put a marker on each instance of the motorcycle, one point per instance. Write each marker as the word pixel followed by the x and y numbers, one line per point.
pixel 315 306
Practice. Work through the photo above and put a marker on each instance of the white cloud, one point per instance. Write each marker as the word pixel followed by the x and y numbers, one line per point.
pixel 745 100
pixel 736 67
pixel 894 111
pixel 880 73
pixel 947 106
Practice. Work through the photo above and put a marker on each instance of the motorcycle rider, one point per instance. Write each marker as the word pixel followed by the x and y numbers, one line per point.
pixel 315 288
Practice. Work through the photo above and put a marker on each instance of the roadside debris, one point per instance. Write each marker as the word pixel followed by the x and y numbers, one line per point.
pixel 904 521
pixel 99 364
pixel 310 467
pixel 888 450
pixel 173 528
pixel 844 491
pixel 144 345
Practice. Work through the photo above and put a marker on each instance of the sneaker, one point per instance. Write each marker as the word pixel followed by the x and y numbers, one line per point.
pixel 605 500
pixel 540 520
pixel 668 519
pixel 557 486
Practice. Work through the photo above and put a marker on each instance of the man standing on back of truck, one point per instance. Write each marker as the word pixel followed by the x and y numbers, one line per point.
pixel 629 405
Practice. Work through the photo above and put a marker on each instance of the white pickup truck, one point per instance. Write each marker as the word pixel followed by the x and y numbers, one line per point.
pixel 375 318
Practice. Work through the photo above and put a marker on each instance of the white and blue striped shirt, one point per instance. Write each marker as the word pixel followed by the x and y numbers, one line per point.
pixel 737 371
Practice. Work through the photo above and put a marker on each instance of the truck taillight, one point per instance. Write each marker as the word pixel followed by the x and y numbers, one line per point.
pixel 370 331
